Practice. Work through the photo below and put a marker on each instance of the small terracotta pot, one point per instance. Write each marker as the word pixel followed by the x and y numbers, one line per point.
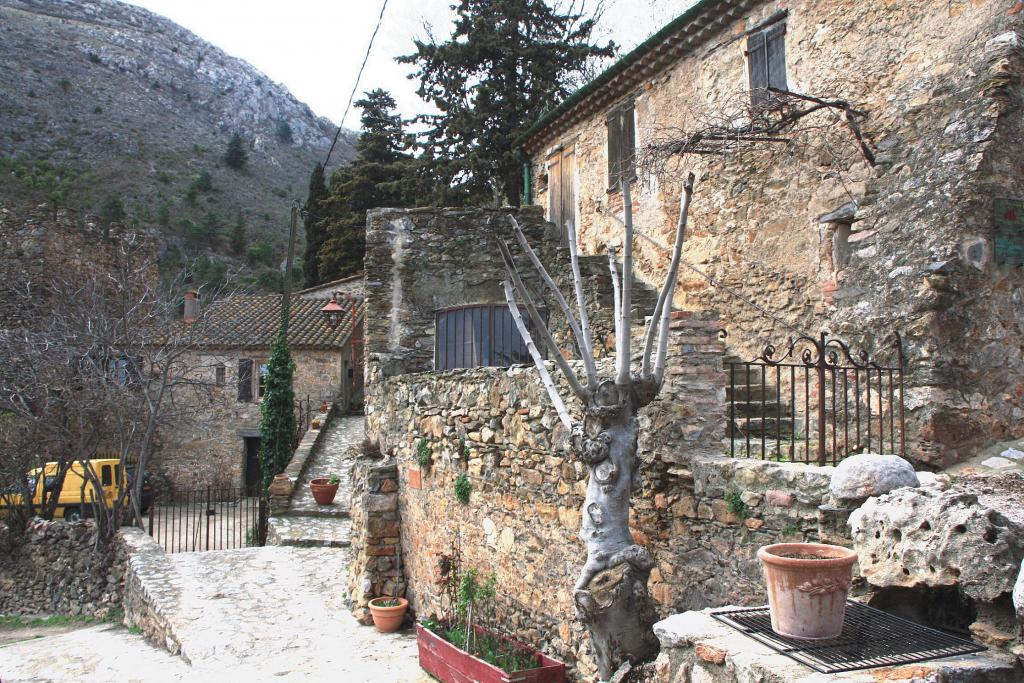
pixel 388 619
pixel 280 486
pixel 323 492
pixel 807 595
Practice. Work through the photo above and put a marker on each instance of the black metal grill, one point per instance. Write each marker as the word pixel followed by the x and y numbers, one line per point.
pixel 870 638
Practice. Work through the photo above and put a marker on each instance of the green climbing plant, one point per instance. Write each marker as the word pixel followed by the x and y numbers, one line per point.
pixel 463 487
pixel 277 409
pixel 734 504
pixel 424 455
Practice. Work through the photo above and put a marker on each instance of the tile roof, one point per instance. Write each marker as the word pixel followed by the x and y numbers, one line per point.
pixel 246 321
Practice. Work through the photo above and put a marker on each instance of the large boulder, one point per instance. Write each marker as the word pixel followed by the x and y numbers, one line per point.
pixel 870 474
pixel 928 537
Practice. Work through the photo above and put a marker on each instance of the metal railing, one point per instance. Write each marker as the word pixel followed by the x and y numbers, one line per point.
pixel 209 519
pixel 303 418
pixel 816 402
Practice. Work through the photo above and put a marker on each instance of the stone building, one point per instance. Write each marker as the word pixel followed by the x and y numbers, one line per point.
pixel 921 231
pixel 218 444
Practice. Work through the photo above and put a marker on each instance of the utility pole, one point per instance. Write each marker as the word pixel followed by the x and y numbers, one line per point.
pixel 286 300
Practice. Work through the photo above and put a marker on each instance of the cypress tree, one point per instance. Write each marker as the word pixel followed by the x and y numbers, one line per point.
pixel 315 229
pixel 506 63
pixel 382 174
pixel 277 409
pixel 238 235
pixel 236 155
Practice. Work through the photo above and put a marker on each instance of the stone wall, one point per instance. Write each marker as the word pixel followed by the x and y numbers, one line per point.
pixel 56 568
pixel 376 568
pixel 204 445
pixel 701 515
pixel 941 84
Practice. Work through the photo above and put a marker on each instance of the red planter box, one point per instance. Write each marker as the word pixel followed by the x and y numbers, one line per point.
pixel 449 664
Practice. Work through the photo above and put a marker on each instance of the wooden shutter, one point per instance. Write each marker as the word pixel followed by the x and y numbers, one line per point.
pixel 757 66
pixel 621 145
pixel 628 138
pixel 555 188
pixel 614 122
pixel 775 46
pixel 245 380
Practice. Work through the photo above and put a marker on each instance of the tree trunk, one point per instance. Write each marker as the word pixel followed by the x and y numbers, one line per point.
pixel 611 594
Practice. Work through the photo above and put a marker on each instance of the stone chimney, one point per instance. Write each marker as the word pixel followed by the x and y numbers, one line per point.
pixel 191 307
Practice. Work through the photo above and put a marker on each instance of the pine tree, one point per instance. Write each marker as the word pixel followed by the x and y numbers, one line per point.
pixel 277 409
pixel 238 235
pixel 315 229
pixel 382 174
pixel 506 63
pixel 236 156
pixel 210 228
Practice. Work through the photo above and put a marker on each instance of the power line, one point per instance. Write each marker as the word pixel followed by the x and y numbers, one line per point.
pixel 355 86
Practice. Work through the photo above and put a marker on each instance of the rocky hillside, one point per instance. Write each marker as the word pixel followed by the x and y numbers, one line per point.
pixel 102 100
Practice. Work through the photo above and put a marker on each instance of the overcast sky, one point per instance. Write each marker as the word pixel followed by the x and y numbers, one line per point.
pixel 314 47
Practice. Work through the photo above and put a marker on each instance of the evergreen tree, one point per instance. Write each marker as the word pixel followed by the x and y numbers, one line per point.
pixel 211 227
pixel 507 62
pixel 315 229
pixel 112 211
pixel 238 235
pixel 382 174
pixel 277 409
pixel 236 155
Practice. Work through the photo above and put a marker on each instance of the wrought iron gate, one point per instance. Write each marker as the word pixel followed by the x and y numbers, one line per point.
pixel 209 519
pixel 816 402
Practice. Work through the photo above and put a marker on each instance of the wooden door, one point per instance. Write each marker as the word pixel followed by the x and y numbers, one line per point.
pixel 562 189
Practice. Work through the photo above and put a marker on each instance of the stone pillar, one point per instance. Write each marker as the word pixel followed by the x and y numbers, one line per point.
pixel 376 567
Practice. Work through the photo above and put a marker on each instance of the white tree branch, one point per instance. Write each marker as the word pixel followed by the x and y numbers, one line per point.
pixel 622 342
pixel 613 266
pixel 670 283
pixel 663 309
pixel 580 299
pixel 582 343
pixel 545 376
pixel 538 322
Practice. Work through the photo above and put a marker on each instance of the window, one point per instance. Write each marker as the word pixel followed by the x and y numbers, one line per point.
pixel 107 475
pixel 766 63
pixel 221 374
pixel 621 145
pixel 261 384
pixel 474 336
pixel 245 380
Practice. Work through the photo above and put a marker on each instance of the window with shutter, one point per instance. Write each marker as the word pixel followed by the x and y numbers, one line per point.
pixel 766 63
pixel 621 145
pixel 245 380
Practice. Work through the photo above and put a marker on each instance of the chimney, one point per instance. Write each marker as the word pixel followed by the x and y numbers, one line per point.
pixel 191 307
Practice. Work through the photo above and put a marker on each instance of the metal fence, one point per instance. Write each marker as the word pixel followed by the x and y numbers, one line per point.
pixel 303 417
pixel 816 402
pixel 209 519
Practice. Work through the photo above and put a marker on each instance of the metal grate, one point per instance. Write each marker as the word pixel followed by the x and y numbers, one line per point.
pixel 870 638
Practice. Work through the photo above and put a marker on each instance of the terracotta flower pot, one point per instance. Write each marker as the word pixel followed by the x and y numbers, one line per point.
pixel 807 588
pixel 388 619
pixel 323 492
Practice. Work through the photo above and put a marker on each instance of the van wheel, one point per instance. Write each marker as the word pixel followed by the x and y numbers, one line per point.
pixel 72 514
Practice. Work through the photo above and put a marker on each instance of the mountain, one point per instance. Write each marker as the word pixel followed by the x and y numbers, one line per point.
pixel 102 101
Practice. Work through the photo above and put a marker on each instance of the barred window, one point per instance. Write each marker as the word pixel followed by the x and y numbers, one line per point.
pixel 479 335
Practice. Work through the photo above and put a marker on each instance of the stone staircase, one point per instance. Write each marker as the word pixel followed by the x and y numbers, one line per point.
pixel 757 407
pixel 306 523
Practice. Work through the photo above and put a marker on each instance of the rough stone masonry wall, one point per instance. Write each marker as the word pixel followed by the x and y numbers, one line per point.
pixel 376 567
pixel 204 445
pixel 940 81
pixel 56 568
pixel 497 426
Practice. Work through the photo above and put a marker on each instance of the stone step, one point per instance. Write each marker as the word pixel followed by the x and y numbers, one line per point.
pixel 309 532
pixel 769 426
pixel 757 409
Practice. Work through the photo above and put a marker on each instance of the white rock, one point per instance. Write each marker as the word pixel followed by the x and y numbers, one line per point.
pixel 870 474
pixel 998 463
pixel 1018 594
pixel 1013 454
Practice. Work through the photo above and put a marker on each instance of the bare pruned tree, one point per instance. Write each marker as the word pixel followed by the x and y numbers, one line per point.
pixel 111 363
pixel 611 594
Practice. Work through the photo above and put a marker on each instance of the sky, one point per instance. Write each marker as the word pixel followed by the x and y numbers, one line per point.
pixel 314 47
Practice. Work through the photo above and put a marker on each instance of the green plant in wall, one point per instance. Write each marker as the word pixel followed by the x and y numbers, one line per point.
pixel 424 456
pixel 463 487
pixel 463 448
pixel 735 505
pixel 790 530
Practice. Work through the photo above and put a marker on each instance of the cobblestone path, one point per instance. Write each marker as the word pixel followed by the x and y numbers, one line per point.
pixel 307 523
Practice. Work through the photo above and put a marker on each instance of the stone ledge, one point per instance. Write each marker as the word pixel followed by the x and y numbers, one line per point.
pixel 300 458
pixel 697 648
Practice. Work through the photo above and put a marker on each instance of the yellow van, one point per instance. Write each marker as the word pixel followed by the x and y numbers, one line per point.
pixel 77 494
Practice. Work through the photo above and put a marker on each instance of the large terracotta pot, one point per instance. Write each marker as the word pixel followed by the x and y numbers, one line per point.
pixel 323 492
pixel 388 619
pixel 807 588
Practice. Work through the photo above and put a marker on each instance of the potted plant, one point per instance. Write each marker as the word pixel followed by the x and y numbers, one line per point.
pixel 388 613
pixel 807 588
pixel 325 489
pixel 315 423
pixel 458 648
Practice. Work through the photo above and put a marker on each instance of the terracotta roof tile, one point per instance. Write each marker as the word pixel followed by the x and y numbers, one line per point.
pixel 252 321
